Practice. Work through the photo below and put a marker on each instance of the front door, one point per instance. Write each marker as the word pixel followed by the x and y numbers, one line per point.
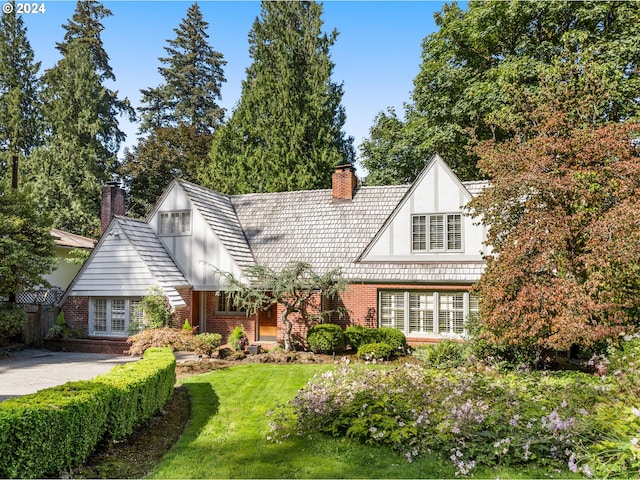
pixel 268 325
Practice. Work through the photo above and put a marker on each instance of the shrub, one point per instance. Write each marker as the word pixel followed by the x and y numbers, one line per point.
pixel 186 325
pixel 237 339
pixel 325 338
pixel 375 351
pixel 156 311
pixel 53 430
pixel 207 343
pixel 12 323
pixel 176 338
pixel 357 335
pixel 447 354
pixel 62 330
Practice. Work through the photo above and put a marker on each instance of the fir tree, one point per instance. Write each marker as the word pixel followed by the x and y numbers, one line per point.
pixel 179 116
pixel 20 122
pixel 83 136
pixel 286 131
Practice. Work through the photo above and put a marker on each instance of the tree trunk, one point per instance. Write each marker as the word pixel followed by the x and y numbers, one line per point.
pixel 288 326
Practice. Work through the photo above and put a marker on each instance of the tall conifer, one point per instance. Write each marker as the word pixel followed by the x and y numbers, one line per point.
pixel 20 122
pixel 83 135
pixel 179 116
pixel 286 131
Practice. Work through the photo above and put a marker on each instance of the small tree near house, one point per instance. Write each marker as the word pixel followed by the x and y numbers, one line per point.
pixel 293 287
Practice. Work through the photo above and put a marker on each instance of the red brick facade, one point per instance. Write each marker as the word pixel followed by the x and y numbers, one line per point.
pixel 359 301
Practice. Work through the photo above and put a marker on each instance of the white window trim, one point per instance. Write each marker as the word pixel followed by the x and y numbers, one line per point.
pixel 181 213
pixel 445 233
pixel 436 313
pixel 108 332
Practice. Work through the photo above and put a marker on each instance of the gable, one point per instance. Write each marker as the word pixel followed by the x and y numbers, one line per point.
pixel 436 194
pixel 214 238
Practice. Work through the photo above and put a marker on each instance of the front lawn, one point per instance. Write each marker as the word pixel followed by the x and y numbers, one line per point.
pixel 227 436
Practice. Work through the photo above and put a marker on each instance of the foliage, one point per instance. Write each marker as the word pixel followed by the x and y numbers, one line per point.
pixel 186 325
pixel 238 339
pixel 286 132
pixel 296 287
pixel 155 309
pixel 325 338
pixel 20 128
pixel 375 351
pixel 207 343
pixel 12 322
pixel 179 117
pixel 489 418
pixel 479 61
pixel 176 338
pixel 80 120
pixel 50 431
pixel 26 247
pixel 358 335
pixel 561 213
pixel 444 354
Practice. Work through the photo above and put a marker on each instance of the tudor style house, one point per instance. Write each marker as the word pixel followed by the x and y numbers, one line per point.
pixel 409 252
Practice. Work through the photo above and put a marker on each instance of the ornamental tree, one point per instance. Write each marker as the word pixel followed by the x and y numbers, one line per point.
pixel 562 211
pixel 294 287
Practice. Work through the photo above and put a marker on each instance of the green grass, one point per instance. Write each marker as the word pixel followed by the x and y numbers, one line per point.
pixel 226 436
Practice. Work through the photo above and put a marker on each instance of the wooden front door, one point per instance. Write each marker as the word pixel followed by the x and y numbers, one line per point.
pixel 268 325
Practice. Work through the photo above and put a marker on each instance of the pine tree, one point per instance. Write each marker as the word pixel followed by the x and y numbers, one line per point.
pixel 179 116
pixel 286 131
pixel 83 136
pixel 20 120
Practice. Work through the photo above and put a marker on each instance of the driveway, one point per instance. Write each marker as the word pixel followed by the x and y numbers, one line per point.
pixel 27 371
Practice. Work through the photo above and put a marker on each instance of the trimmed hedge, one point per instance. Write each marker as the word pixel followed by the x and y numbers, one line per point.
pixel 375 351
pixel 325 338
pixel 53 430
pixel 357 336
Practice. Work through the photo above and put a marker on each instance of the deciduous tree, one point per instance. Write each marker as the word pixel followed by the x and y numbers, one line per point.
pixel 480 59
pixel 286 131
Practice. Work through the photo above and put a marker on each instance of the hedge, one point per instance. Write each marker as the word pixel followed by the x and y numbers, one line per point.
pixel 53 430
pixel 325 338
pixel 358 335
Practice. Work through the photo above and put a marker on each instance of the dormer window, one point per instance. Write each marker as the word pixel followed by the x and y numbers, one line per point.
pixel 437 233
pixel 175 223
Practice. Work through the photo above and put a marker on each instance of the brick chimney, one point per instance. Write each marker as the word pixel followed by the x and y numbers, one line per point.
pixel 113 203
pixel 344 182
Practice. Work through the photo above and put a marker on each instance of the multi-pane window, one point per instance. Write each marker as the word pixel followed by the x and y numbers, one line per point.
pixel 175 223
pixel 392 311
pixel 112 316
pixel 441 232
pixel 226 304
pixel 428 313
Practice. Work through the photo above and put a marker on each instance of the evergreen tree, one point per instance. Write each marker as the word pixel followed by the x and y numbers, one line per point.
pixel 286 131
pixel 477 66
pixel 83 136
pixel 19 110
pixel 179 116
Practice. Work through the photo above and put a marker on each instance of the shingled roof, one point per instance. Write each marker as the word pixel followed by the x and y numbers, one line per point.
pixel 310 226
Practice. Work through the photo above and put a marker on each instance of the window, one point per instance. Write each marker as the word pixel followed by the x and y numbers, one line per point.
pixel 428 313
pixel 444 232
pixel 225 304
pixel 392 310
pixel 175 223
pixel 112 316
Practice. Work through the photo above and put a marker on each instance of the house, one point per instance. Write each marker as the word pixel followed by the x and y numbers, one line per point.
pixel 409 252
pixel 65 244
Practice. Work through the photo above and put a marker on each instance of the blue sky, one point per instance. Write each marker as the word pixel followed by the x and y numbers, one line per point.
pixel 376 56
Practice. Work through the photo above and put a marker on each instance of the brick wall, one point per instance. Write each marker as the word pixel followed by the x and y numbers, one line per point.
pixel 76 313
pixel 182 313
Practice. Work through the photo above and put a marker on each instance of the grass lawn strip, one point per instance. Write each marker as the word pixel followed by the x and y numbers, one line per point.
pixel 227 435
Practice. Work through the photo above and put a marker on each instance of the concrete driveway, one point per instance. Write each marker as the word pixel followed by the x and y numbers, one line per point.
pixel 27 371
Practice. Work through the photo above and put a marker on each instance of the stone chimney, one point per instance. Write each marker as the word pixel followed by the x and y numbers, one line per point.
pixel 113 203
pixel 344 182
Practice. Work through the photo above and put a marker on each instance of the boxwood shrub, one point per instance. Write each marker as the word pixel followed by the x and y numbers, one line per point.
pixel 357 335
pixel 50 431
pixel 325 338
pixel 375 351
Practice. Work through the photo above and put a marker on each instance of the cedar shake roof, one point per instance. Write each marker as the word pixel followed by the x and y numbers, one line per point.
pixel 155 256
pixel 219 213
pixel 71 240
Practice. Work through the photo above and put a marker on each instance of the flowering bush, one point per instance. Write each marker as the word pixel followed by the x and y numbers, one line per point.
pixel 468 416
